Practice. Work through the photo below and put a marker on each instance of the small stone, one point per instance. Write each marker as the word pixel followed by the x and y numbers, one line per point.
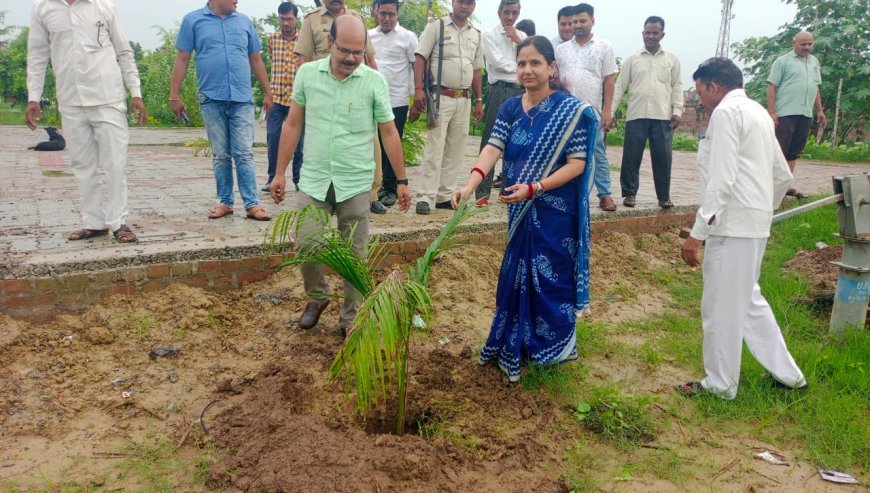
pixel 99 335
pixel 527 412
pixel 88 433
pixel 35 375
pixel 249 347
pixel 45 398
pixel 173 377
pixel 380 441
pixel 188 388
pixel 172 407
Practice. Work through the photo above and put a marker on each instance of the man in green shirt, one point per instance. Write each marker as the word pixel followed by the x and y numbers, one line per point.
pixel 792 93
pixel 338 101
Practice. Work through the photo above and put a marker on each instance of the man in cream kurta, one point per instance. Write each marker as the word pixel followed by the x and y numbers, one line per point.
pixel 652 77
pixel 92 62
pixel 460 83
pixel 744 176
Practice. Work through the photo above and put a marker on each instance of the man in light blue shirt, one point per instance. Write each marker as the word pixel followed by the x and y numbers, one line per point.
pixel 227 51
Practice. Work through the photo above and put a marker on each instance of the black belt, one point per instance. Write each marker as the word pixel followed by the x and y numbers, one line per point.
pixel 504 83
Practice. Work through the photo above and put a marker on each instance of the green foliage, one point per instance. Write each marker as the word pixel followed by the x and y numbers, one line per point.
pixel 619 417
pixel 841 37
pixel 850 152
pixel 375 354
pixel 13 67
pixel 414 142
pixel 200 147
pixel 155 72
pixel 681 141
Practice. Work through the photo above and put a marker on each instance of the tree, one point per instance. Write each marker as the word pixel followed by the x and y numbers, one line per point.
pixel 842 37
pixel 155 72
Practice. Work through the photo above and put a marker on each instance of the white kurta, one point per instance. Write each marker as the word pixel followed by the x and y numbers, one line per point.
pixel 743 178
pixel 93 62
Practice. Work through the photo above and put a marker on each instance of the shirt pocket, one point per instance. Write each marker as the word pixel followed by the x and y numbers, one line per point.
pixel 95 37
pixel 451 46
pixel 237 41
pixel 816 76
pixel 663 74
pixel 361 119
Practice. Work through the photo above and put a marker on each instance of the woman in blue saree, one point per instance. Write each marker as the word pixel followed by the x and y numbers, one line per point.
pixel 545 137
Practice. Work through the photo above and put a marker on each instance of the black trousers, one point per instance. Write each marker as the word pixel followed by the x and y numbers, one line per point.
pixel 499 92
pixel 389 181
pixel 660 136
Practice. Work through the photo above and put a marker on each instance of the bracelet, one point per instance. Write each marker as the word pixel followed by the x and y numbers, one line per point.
pixel 531 191
pixel 402 181
pixel 541 187
pixel 478 170
pixel 479 100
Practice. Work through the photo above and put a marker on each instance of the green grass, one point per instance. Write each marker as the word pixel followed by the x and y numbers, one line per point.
pixel 617 416
pixel 850 152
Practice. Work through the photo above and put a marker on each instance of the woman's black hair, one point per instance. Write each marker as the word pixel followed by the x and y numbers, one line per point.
pixel 545 48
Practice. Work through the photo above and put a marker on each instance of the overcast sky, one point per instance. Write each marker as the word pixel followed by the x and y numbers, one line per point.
pixel 691 31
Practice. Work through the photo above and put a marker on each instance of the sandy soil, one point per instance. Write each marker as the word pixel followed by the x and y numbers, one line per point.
pixel 81 395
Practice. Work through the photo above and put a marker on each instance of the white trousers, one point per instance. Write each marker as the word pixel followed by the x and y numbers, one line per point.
pixel 733 311
pixel 97 138
pixel 445 148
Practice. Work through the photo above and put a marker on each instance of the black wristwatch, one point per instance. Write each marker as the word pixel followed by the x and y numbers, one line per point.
pixel 403 181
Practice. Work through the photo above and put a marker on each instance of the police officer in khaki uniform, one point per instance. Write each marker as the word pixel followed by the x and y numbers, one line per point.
pixel 313 44
pixel 460 84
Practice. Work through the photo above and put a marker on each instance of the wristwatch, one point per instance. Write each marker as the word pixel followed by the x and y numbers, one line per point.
pixel 403 181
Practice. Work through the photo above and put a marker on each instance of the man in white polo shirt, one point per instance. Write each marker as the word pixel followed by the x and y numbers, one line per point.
pixel 395 49
pixel 588 68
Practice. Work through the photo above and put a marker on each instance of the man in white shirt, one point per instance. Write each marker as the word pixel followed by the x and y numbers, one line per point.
pixel 565 18
pixel 652 77
pixel 744 176
pixel 500 55
pixel 92 62
pixel 395 49
pixel 588 68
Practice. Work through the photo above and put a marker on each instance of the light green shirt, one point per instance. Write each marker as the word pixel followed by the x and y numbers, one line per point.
pixel 797 82
pixel 340 123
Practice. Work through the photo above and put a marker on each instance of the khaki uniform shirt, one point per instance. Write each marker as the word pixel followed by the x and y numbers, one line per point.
pixel 463 52
pixel 313 41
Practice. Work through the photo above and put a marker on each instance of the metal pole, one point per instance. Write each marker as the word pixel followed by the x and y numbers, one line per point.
pixel 853 284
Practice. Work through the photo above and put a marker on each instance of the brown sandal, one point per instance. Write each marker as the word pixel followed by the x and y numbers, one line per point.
pixel 219 212
pixel 124 234
pixel 257 213
pixel 85 233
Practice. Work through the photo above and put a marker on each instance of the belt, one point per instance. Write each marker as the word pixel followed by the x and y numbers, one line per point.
pixel 456 93
pixel 504 83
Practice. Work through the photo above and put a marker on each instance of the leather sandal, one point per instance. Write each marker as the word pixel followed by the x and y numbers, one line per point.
pixel 124 234
pixel 85 233
pixel 220 211
pixel 257 213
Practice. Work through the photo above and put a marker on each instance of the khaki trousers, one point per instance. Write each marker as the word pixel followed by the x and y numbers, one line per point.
pixel 445 149
pixel 379 173
pixel 353 216
pixel 97 138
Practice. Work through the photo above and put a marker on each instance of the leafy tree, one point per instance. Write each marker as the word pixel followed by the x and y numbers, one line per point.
pixel 138 52
pixel 13 70
pixel 155 72
pixel 841 34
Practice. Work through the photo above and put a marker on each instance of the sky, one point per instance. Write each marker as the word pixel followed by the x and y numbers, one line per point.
pixel 691 30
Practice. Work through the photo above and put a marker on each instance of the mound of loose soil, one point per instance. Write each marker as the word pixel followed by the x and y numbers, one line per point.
pixel 816 264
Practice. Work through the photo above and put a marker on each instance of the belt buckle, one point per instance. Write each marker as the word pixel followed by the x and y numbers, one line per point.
pixel 459 93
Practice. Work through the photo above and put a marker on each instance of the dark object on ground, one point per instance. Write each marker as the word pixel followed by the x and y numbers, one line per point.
pixel 311 314
pixel 164 352
pixel 55 141
pixel 84 234
pixel 125 235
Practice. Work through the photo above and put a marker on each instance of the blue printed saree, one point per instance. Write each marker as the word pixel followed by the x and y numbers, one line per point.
pixel 544 278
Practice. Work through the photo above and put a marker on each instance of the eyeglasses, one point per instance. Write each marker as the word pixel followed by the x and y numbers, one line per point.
pixel 347 53
pixel 387 14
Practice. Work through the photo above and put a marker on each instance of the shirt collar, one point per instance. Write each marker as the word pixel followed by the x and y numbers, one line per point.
pixel 734 93
pixel 591 40
pixel 208 11
pixel 327 67
pixel 387 34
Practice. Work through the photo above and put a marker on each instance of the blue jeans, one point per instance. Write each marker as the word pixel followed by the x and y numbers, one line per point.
pixel 274 123
pixel 601 167
pixel 230 129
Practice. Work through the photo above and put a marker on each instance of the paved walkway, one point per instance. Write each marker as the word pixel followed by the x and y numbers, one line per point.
pixel 170 192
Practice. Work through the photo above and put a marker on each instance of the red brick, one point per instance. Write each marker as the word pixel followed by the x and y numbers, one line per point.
pixel 207 266
pixel 39 300
pixel 221 282
pixel 102 279
pixel 45 284
pixel 182 269
pixel 17 286
pixel 133 275
pixel 392 260
pixel 157 271
pixel 124 289
pixel 249 277
pixel 274 261
pixel 200 281
pixel 252 264
pixel 228 266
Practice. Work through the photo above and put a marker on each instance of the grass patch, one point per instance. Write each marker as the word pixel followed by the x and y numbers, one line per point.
pixel 619 417
pixel 580 464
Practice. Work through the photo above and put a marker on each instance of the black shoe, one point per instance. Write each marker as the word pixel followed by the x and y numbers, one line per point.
pixel 377 208
pixel 296 185
pixel 423 208
pixel 311 314
pixel 445 205
pixel 389 199
pixel 498 182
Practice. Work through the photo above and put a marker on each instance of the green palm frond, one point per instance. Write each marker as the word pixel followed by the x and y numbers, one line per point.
pixel 420 272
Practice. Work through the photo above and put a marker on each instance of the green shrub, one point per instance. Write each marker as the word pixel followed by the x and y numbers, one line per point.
pixel 618 417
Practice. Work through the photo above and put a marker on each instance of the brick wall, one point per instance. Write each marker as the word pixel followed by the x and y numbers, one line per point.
pixel 39 299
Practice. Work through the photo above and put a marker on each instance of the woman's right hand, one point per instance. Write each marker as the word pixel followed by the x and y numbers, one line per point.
pixel 461 195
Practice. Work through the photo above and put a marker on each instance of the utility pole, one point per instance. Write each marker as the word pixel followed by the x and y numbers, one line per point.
pixel 724 42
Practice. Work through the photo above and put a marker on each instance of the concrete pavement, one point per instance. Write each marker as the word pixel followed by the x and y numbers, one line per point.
pixel 171 191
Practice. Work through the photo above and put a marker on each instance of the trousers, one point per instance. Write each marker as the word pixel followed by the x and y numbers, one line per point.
pixel 352 215
pixel 445 147
pixel 274 124
pixel 97 139
pixel 660 137
pixel 734 311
